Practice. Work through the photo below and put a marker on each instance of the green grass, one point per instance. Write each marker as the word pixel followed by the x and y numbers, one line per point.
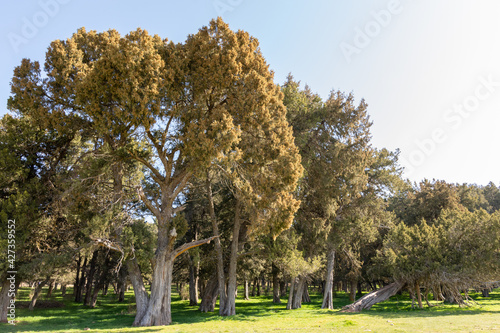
pixel 260 315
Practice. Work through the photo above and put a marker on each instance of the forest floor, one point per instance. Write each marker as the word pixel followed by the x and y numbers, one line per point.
pixel 259 314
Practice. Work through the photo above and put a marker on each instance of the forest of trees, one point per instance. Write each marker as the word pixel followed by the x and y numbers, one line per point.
pixel 134 161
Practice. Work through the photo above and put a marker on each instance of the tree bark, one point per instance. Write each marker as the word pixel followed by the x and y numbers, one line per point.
pixel 230 305
pixel 51 288
pixel 276 286
pixel 306 298
pixel 209 296
pixel 81 282
pixel 38 291
pixel 290 295
pixel 63 289
pixel 328 296
pixel 218 249
pixel 90 278
pixel 380 295
pixel 419 295
pixel 4 300
pixel 246 290
pixel 122 284
pixel 352 290
pixel 140 293
pixel 194 269
pixel 297 298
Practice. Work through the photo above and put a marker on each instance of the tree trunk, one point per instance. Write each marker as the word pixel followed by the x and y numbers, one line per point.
pixel 194 269
pixel 290 295
pixel 283 287
pixel 352 291
pixel 81 282
pixel 380 295
pixel 218 249
pixel 246 290
pixel 306 298
pixel 485 292
pixel 276 286
pixel 419 295
pixel 4 300
pixel 158 311
pixel 328 296
pixel 230 305
pixel 90 278
pixel 297 298
pixel 63 289
pixel 122 284
pixel 140 293
pixel 77 278
pixel 51 288
pixel 209 296
pixel 38 291
pixel 254 285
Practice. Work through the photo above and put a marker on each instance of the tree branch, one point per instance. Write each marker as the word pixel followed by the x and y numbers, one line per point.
pixel 183 248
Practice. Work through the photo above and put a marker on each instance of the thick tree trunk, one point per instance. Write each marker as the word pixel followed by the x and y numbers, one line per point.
pixel 38 291
pixel 209 296
pixel 230 305
pixel 276 286
pixel 158 311
pixel 485 292
pixel 327 296
pixel 218 249
pixel 297 298
pixel 367 301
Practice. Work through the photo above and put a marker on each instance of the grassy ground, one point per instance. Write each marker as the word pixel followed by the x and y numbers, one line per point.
pixel 258 315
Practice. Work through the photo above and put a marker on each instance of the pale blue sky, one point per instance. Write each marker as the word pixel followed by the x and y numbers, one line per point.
pixel 428 69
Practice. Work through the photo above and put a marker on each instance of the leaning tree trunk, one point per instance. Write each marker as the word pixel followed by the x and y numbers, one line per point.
pixel 90 278
pixel 209 296
pixel 141 295
pixel 276 285
pixel 328 296
pixel 367 301
pixel 38 291
pixel 230 305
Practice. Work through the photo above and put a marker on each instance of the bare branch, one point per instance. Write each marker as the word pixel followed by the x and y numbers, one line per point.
pixel 148 203
pixel 183 248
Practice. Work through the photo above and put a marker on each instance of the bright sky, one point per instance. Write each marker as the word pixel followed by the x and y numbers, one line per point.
pixel 429 70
